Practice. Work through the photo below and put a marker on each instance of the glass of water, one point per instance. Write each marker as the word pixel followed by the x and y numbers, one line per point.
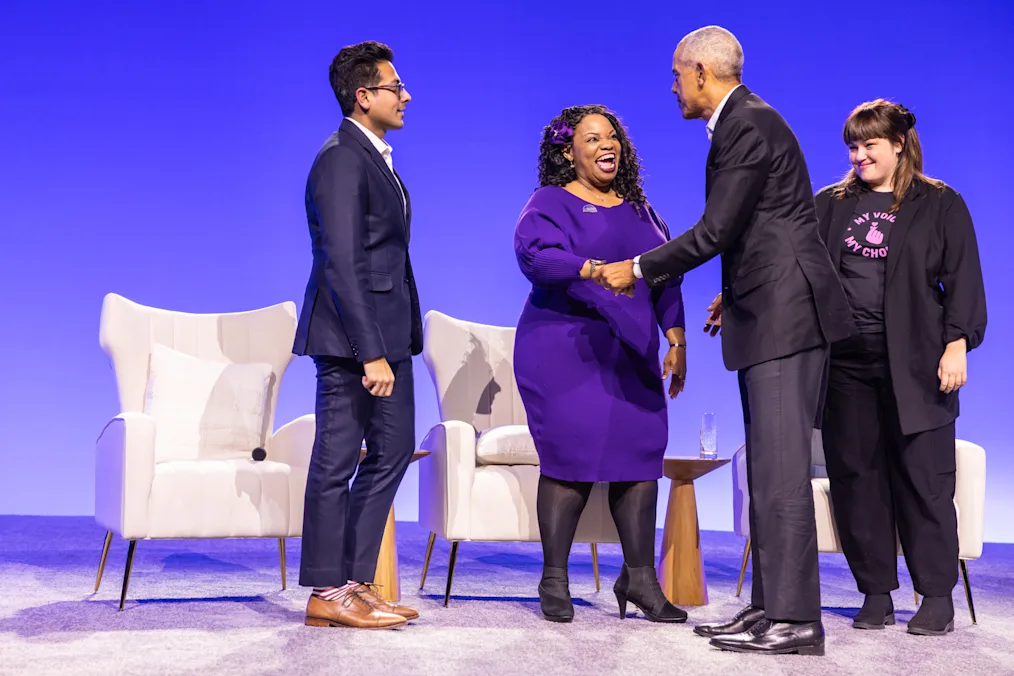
pixel 709 437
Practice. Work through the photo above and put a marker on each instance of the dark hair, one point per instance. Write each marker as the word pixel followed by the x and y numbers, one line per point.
pixel 555 169
pixel 893 122
pixel 354 67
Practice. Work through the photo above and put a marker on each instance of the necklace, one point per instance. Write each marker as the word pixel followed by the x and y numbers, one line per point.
pixel 592 193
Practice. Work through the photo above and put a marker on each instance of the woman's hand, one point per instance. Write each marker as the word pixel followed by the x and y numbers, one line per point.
pixel 675 363
pixel 953 368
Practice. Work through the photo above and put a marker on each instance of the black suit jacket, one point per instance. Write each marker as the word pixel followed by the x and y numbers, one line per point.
pixel 361 300
pixel 933 293
pixel 780 293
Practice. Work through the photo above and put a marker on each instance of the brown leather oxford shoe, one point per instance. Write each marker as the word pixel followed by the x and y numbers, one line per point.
pixel 351 609
pixel 372 593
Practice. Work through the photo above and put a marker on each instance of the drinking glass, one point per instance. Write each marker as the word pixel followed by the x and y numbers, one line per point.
pixel 709 437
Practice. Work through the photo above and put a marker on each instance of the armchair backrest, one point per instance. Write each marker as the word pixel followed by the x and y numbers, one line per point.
pixel 128 330
pixel 472 367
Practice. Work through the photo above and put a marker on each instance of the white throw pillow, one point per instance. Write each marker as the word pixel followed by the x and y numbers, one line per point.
pixel 506 445
pixel 205 409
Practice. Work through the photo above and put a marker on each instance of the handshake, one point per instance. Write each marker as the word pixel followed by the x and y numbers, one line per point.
pixel 617 277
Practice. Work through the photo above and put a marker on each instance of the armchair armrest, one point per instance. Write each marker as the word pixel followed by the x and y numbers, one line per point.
pixel 124 471
pixel 446 478
pixel 970 497
pixel 292 443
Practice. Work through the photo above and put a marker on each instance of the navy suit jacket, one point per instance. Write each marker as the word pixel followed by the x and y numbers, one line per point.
pixel 361 300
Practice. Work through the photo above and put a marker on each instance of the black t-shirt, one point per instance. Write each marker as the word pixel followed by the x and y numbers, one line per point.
pixel 864 259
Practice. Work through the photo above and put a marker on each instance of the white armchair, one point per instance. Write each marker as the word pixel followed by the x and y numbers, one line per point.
pixel 969 503
pixel 158 480
pixel 481 480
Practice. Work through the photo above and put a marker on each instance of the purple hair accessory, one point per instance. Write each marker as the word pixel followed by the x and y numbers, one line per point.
pixel 560 133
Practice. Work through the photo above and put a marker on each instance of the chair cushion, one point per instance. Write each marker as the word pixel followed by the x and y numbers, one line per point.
pixel 506 445
pixel 220 499
pixel 205 409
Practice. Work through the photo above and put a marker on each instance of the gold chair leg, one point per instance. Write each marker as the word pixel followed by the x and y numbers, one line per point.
pixel 126 572
pixel 595 565
pixel 968 589
pixel 450 572
pixel 916 595
pixel 426 561
pixel 742 568
pixel 102 561
pixel 281 556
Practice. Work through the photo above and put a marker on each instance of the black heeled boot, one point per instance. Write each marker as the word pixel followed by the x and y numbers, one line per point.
pixel 554 595
pixel 640 586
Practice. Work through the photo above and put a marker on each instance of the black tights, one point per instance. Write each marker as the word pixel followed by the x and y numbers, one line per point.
pixel 632 504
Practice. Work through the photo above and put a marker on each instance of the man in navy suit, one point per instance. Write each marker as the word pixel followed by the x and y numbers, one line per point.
pixel 361 323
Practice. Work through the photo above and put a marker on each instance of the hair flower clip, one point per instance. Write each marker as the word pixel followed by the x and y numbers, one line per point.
pixel 560 133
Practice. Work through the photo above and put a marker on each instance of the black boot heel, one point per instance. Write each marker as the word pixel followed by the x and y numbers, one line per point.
pixel 621 601
pixel 620 589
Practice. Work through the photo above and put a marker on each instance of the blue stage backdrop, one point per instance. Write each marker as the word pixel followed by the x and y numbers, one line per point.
pixel 160 151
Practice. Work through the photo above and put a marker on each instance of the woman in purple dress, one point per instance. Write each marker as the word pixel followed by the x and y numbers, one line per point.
pixel 586 359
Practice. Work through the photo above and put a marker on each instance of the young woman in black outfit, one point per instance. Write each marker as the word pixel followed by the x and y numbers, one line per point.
pixel 906 253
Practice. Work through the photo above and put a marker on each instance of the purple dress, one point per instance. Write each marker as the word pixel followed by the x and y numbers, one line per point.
pixel 585 360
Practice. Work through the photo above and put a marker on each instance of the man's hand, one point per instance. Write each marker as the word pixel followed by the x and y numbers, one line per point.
pixel 714 321
pixel 379 378
pixel 953 368
pixel 617 277
pixel 675 363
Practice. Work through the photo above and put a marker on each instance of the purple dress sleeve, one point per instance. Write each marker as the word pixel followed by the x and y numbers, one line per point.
pixel 546 259
pixel 667 299
pixel 543 252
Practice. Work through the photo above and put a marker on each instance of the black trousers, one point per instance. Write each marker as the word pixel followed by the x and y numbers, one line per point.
pixel 780 400
pixel 343 527
pixel 886 485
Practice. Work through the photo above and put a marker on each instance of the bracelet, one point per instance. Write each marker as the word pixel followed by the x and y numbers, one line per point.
pixel 593 262
pixel 683 345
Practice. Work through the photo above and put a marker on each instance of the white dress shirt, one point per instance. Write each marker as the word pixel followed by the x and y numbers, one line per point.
pixel 385 150
pixel 710 128
pixel 713 122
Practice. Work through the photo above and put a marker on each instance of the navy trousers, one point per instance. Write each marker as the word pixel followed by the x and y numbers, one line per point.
pixel 342 525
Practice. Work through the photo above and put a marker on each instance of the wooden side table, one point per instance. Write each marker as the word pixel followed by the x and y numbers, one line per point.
pixel 387 577
pixel 680 565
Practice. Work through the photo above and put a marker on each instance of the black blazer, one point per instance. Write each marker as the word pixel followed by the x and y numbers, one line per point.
pixel 933 293
pixel 361 300
pixel 780 294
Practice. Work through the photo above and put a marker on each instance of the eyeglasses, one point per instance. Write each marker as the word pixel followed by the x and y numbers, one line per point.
pixel 397 88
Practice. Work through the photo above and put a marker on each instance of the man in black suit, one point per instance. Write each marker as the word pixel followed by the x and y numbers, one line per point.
pixel 361 323
pixel 781 306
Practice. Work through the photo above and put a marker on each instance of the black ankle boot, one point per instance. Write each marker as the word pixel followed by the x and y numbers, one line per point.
pixel 877 612
pixel 640 587
pixel 554 595
pixel 935 617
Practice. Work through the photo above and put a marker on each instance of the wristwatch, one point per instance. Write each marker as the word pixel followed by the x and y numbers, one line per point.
pixel 594 262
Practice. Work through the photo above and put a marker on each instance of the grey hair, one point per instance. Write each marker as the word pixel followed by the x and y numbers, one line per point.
pixel 715 47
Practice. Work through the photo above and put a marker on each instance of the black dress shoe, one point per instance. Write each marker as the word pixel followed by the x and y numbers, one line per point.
pixel 877 612
pixel 640 586
pixel 935 617
pixel 554 595
pixel 743 620
pixel 776 638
